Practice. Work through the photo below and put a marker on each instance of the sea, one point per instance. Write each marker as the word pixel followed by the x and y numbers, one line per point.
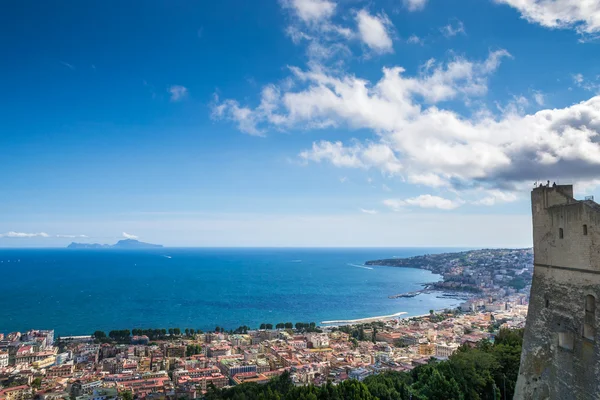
pixel 77 292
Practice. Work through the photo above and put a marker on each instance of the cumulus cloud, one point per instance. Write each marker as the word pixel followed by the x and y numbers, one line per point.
pixel 496 196
pixel 311 10
pixel 415 5
pixel 539 98
pixel 423 201
pixel 423 142
pixel 72 236
pixel 374 31
pixel 357 156
pixel 178 92
pixel 129 236
pixel 417 134
pixel 367 211
pixel 329 99
pixel 581 15
pixel 12 234
pixel 66 64
pixel 453 29
pixel 311 25
pixel 24 235
pixel 245 118
pixel 586 84
pixel 414 39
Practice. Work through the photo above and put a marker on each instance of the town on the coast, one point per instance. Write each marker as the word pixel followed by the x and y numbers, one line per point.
pixel 176 363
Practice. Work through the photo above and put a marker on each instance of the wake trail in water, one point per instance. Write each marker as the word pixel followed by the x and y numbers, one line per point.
pixel 359 266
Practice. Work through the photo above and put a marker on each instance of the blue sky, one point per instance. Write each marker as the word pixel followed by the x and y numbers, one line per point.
pixel 293 122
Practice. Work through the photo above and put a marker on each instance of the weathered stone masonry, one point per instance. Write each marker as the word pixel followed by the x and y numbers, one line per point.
pixel 561 357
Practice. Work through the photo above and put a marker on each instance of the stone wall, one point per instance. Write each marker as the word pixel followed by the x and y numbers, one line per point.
pixel 560 358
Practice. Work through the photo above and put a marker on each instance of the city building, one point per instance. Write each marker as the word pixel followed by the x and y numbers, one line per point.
pixel 23 392
pixel 445 350
pixel 4 359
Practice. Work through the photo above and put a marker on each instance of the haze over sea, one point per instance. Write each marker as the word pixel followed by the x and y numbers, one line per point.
pixel 79 291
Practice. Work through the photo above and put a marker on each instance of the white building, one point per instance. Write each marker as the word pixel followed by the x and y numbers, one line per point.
pixel 318 340
pixel 3 359
pixel 445 350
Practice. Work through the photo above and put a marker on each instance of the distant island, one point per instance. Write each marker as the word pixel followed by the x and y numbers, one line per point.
pixel 121 244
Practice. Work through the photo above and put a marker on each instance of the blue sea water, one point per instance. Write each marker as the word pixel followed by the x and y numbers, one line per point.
pixel 80 291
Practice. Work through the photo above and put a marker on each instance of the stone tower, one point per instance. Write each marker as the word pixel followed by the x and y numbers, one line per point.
pixel 561 352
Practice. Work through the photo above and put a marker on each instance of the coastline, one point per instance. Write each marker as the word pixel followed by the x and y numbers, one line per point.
pixel 363 320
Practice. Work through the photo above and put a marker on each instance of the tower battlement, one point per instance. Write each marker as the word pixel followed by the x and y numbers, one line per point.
pixel 561 356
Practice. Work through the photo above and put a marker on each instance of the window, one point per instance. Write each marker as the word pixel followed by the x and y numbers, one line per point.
pixel 584 229
pixel 590 304
pixel 547 303
pixel 589 332
pixel 589 322
pixel 560 233
pixel 566 340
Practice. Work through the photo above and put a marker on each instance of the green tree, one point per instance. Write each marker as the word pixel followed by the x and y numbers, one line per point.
pixel 36 383
pixel 433 385
pixel 127 395
pixel 99 335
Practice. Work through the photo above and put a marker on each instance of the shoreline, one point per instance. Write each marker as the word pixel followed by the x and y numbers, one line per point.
pixel 363 320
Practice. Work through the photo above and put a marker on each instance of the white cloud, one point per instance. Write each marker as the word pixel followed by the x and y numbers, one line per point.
pixel 335 153
pixel 496 196
pixel 129 236
pixel 423 142
pixel 374 31
pixel 423 201
pixel 245 118
pixel 427 179
pixel 178 92
pixel 311 10
pixel 586 84
pixel 581 15
pixel 23 235
pixel 12 234
pixel 343 179
pixel 313 28
pixel 70 66
pixel 414 39
pixel 415 5
pixel 357 156
pixel 367 211
pixel 71 236
pixel 453 29
pixel 539 98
